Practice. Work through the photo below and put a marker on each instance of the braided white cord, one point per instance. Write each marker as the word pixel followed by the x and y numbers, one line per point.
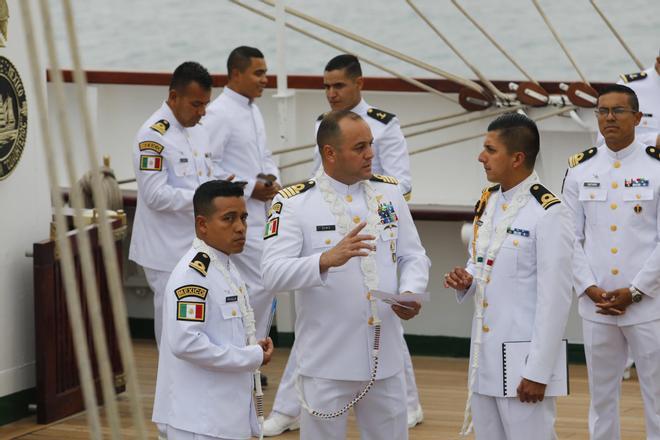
pixel 369 275
pixel 486 251
pixel 247 316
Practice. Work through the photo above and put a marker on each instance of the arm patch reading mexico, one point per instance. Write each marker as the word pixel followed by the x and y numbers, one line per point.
pixel 191 290
pixel 190 311
pixel 151 146
pixel 275 209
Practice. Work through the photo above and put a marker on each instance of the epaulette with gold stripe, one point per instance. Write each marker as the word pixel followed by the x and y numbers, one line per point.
pixel 577 159
pixel 630 77
pixel 201 263
pixel 654 152
pixel 544 196
pixel 380 115
pixel 161 126
pixel 384 179
pixel 481 203
pixel 296 189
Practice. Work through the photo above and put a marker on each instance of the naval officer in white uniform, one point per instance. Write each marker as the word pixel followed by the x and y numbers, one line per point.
pixel 343 83
pixel 204 383
pixel 171 158
pixel 238 141
pixel 332 240
pixel 613 192
pixel 646 85
pixel 519 274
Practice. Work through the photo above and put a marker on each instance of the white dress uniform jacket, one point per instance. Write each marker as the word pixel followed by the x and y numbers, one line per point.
pixel 529 293
pixel 646 86
pixel 614 199
pixel 333 338
pixel 238 140
pixel 170 162
pixel 204 382
pixel 391 156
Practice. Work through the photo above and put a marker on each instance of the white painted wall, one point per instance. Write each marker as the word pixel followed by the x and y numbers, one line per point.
pixel 450 175
pixel 25 201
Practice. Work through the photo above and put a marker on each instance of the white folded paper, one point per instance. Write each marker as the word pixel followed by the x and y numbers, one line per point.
pixel 394 298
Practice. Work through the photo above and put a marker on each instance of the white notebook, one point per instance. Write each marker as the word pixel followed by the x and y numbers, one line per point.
pixel 514 358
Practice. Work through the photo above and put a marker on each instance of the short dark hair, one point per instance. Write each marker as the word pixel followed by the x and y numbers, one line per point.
pixel 620 88
pixel 188 72
pixel 348 62
pixel 207 191
pixel 239 58
pixel 329 132
pixel 520 134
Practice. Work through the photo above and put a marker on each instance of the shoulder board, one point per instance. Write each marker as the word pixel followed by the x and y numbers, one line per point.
pixel 201 263
pixel 654 152
pixel 384 179
pixel 543 196
pixel 160 126
pixel 630 77
pixel 296 189
pixel 577 159
pixel 380 115
pixel 321 116
pixel 485 195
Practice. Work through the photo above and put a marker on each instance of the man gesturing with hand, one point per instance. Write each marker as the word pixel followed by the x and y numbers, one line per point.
pixel 333 240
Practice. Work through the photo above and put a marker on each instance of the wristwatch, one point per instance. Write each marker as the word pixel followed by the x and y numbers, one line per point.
pixel 636 294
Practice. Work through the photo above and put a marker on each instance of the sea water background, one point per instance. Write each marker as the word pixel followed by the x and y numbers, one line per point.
pixel 157 35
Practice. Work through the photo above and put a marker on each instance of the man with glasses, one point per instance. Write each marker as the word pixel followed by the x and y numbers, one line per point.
pixel 613 193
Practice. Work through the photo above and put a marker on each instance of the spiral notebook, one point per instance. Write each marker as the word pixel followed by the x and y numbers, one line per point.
pixel 514 358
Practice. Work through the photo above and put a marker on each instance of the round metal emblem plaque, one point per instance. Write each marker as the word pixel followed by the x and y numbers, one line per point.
pixel 13 117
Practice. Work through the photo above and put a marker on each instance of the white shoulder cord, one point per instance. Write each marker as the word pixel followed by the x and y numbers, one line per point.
pixel 369 276
pixel 247 316
pixel 487 249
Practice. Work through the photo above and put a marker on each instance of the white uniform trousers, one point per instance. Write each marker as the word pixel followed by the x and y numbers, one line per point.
pixel 507 418
pixel 286 399
pixel 606 349
pixel 157 280
pixel 178 434
pixel 248 264
pixel 381 414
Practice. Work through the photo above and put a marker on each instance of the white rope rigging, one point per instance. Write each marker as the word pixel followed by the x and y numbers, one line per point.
pixel 559 41
pixel 78 331
pixel 401 76
pixel 489 85
pixel 616 34
pixel 391 52
pixel 84 246
pixel 113 276
pixel 492 40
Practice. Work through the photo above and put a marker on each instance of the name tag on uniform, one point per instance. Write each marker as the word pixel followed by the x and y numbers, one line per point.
pixel 591 184
pixel 183 160
pixel 518 231
pixel 229 299
pixel 325 228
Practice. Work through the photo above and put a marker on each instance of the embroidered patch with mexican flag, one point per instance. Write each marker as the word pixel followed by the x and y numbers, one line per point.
pixel 271 227
pixel 151 163
pixel 190 311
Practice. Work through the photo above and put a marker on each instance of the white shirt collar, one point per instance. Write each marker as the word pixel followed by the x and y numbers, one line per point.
pixel 361 108
pixel 623 153
pixel 508 194
pixel 237 97
pixel 169 116
pixel 342 188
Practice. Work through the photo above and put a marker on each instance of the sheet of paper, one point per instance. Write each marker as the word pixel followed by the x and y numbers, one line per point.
pixel 394 298
pixel 514 358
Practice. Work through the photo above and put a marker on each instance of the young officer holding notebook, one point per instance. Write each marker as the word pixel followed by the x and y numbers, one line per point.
pixel 519 274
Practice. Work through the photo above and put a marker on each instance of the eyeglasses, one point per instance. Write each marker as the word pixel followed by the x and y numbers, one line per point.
pixel 603 112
